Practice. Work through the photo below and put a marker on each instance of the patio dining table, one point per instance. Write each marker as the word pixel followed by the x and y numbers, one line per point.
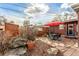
pixel 54 36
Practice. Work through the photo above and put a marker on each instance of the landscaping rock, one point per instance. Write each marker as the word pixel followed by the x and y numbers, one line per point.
pixel 56 44
pixel 16 52
pixel 75 45
pixel 61 44
pixel 52 51
pixel 18 42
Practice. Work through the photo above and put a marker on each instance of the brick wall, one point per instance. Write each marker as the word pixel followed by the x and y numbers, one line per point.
pixel 11 29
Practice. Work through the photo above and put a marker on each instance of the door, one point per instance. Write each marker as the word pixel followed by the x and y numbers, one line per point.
pixel 71 30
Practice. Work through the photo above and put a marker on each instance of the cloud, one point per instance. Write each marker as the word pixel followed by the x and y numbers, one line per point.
pixel 15 19
pixel 36 9
pixel 48 17
pixel 66 9
pixel 64 6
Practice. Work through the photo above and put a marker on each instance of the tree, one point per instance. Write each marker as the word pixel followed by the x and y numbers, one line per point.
pixel 12 22
pixel 24 28
pixel 2 20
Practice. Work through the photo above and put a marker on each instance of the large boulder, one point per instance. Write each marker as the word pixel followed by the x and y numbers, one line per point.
pixel 16 52
pixel 18 42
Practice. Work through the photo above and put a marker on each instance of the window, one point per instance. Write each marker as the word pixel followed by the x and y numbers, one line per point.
pixel 61 26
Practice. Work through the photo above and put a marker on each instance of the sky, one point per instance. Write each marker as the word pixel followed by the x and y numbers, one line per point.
pixel 38 13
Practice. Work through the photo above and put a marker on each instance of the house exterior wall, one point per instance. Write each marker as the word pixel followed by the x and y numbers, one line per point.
pixel 54 29
pixel 75 23
pixel 63 31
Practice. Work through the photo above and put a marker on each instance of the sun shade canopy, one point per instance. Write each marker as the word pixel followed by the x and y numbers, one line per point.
pixel 54 23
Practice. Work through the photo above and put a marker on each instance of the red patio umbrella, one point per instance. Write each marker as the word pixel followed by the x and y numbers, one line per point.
pixel 54 23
